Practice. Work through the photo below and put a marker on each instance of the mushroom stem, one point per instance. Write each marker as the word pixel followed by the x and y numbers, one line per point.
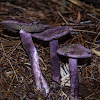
pixel 34 59
pixel 74 79
pixel 55 69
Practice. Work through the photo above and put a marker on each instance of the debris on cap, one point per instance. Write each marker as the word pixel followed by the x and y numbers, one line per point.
pixel 15 26
pixel 74 51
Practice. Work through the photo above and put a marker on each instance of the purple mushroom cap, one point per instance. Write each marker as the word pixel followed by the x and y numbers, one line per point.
pixel 54 32
pixel 15 26
pixel 75 51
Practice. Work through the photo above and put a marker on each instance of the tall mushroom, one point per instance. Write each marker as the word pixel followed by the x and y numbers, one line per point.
pixel 28 45
pixel 51 35
pixel 48 33
pixel 74 51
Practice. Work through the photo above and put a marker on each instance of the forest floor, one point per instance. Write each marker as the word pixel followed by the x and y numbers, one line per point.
pixel 16 78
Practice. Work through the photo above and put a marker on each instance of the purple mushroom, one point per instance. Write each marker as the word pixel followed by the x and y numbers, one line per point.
pixel 34 59
pixel 51 35
pixel 48 33
pixel 28 45
pixel 74 51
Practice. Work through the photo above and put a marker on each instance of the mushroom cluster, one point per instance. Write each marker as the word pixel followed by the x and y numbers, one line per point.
pixel 51 35
pixel 26 38
pixel 44 33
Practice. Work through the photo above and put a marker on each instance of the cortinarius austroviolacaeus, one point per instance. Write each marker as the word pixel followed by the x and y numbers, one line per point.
pixel 26 38
pixel 74 51
pixel 34 59
pixel 44 33
pixel 52 35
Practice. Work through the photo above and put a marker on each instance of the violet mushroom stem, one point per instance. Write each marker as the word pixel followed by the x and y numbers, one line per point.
pixel 52 35
pixel 34 59
pixel 74 79
pixel 55 69
pixel 74 51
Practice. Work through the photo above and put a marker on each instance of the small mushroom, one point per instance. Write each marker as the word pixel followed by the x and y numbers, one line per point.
pixel 74 51
pixel 51 35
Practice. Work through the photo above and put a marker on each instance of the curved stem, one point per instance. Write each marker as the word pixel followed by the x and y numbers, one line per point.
pixel 34 59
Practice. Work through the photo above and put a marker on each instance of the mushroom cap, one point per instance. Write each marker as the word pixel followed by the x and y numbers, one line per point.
pixel 15 26
pixel 54 32
pixel 74 51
